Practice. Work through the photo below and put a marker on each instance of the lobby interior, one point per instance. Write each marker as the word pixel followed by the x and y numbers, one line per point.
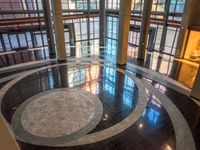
pixel 99 74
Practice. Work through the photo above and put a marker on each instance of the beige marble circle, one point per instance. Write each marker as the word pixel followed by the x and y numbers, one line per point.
pixel 59 113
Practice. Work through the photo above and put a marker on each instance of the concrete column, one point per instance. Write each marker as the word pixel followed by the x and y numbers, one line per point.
pixel 165 25
pixel 102 25
pixel 124 27
pixel 49 28
pixel 196 87
pixel 59 30
pixel 144 30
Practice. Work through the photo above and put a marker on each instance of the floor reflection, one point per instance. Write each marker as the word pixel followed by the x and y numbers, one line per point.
pixel 155 123
pixel 117 92
pixel 180 70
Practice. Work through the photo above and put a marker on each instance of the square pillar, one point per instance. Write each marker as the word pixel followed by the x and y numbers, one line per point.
pixel 144 29
pixel 59 30
pixel 124 27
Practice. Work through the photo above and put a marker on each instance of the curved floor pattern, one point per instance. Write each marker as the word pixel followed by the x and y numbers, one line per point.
pixel 52 117
pixel 140 70
pixel 184 136
pixel 109 132
pixel 181 128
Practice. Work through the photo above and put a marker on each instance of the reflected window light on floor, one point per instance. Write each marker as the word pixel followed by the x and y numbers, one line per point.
pixel 153 115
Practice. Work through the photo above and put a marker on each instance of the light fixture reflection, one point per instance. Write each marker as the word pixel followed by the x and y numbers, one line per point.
pixel 140 125
pixel 105 117
pixel 168 147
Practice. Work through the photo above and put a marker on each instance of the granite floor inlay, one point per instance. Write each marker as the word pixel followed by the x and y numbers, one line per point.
pixel 55 114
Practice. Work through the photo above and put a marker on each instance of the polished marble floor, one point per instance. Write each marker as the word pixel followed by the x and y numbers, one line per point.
pixel 118 93
pixel 181 70
pixel 164 64
pixel 107 87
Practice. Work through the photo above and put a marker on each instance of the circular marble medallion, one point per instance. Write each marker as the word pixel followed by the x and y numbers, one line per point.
pixel 57 114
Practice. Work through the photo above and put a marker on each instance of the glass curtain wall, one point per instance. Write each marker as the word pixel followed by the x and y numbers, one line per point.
pixel 157 21
pixel 80 4
pixel 22 24
pixel 22 27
